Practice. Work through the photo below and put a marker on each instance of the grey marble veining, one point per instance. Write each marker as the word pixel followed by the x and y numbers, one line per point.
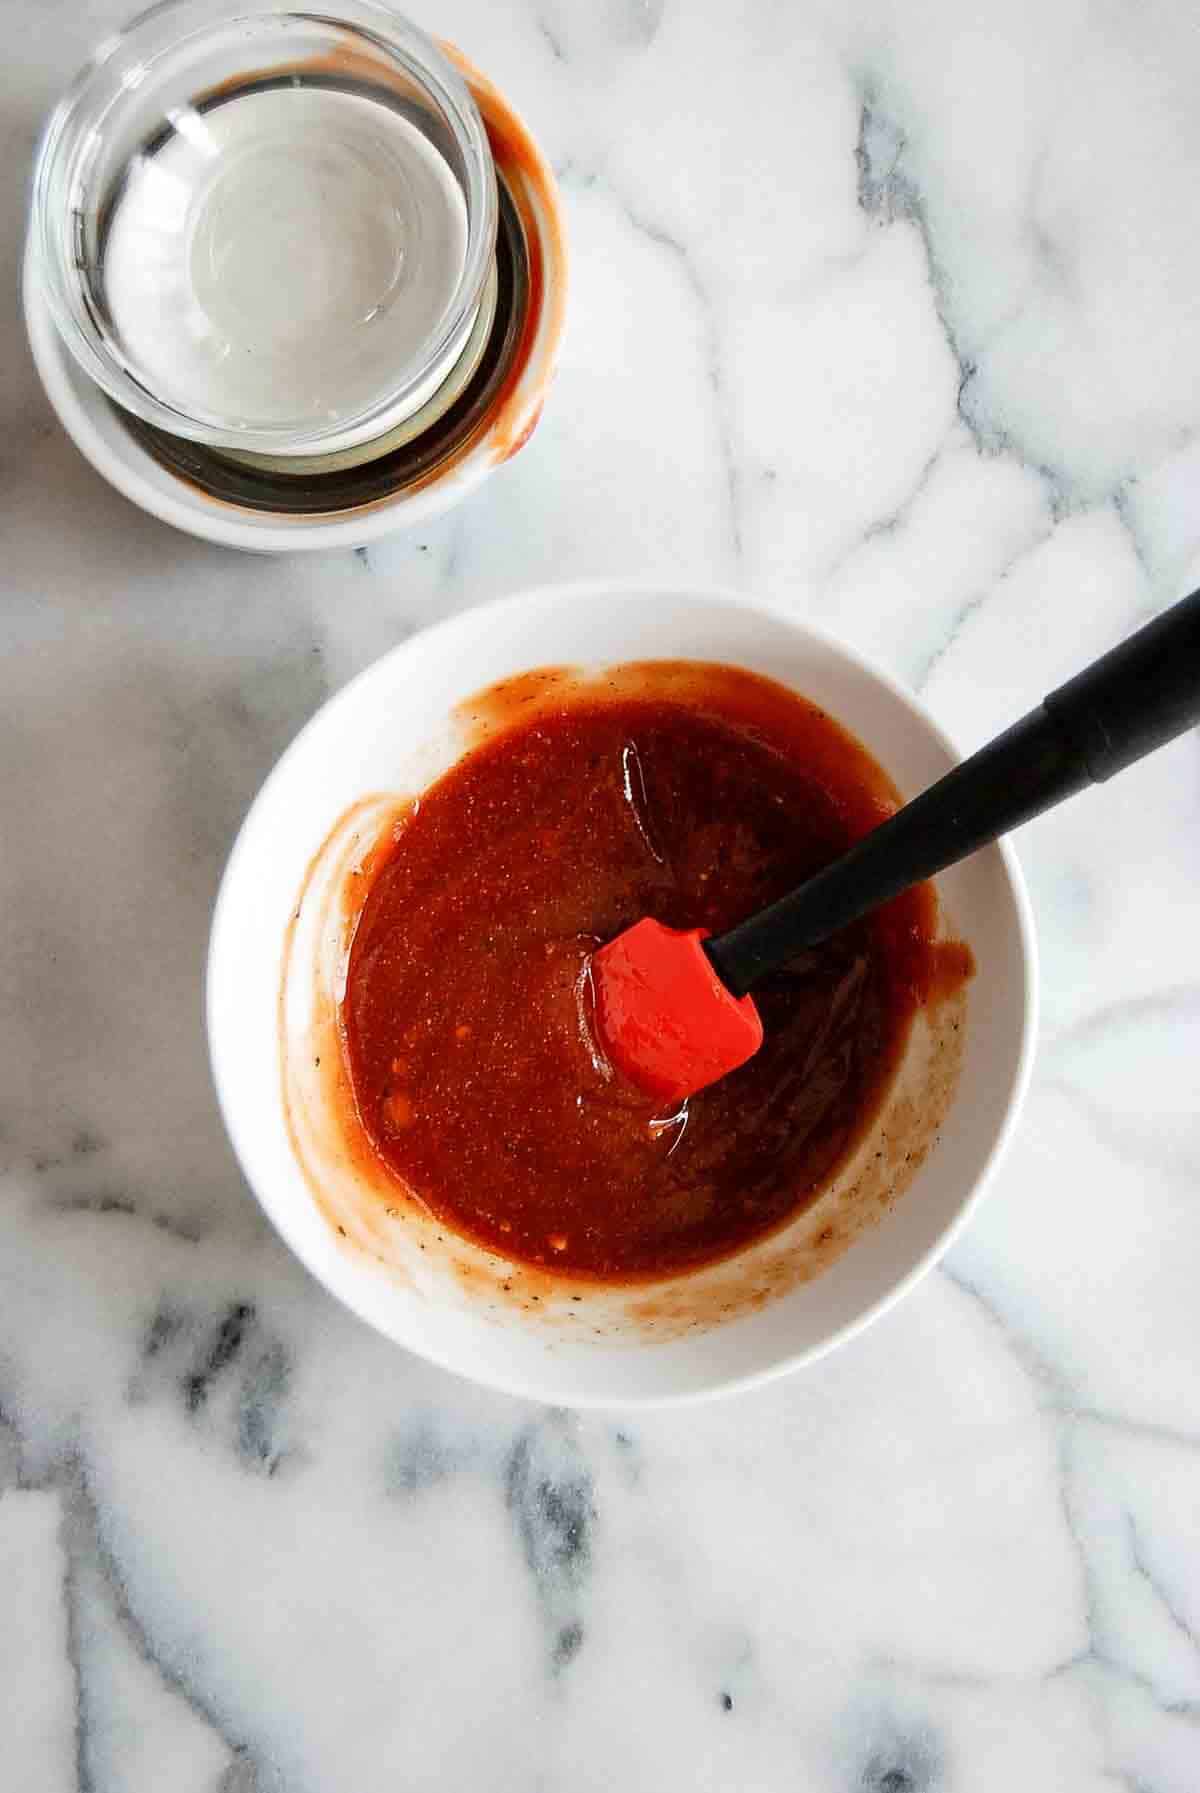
pixel 889 312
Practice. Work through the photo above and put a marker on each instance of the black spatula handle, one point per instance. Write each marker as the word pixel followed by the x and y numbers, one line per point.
pixel 1134 699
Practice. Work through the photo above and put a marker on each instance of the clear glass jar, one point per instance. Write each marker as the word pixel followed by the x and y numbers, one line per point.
pixel 266 230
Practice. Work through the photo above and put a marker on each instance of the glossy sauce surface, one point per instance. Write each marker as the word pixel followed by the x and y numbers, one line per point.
pixel 688 792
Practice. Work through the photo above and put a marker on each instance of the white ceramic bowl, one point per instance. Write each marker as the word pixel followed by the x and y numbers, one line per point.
pixel 389 730
pixel 100 434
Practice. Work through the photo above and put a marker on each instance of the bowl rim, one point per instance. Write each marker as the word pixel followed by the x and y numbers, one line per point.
pixel 79 405
pixel 576 591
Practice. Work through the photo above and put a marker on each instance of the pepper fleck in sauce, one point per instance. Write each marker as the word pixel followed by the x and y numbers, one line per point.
pixel 689 792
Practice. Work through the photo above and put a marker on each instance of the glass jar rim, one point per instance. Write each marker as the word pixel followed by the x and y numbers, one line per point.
pixel 167 27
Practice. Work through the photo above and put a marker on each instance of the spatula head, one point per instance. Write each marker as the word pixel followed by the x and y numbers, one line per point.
pixel 663 1015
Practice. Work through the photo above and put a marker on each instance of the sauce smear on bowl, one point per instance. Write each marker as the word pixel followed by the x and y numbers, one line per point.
pixel 689 792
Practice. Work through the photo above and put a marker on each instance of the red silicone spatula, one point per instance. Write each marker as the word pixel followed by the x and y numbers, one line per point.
pixel 672 1007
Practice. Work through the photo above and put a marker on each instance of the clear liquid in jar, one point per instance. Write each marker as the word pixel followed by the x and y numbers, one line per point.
pixel 285 259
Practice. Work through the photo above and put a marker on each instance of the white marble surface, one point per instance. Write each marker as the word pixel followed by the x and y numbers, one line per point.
pixel 887 309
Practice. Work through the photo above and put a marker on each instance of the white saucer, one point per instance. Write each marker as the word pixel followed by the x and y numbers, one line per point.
pixel 99 433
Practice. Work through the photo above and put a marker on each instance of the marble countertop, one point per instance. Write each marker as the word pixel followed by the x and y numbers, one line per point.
pixel 889 311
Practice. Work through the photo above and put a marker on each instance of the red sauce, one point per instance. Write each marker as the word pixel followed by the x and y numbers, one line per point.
pixel 688 792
